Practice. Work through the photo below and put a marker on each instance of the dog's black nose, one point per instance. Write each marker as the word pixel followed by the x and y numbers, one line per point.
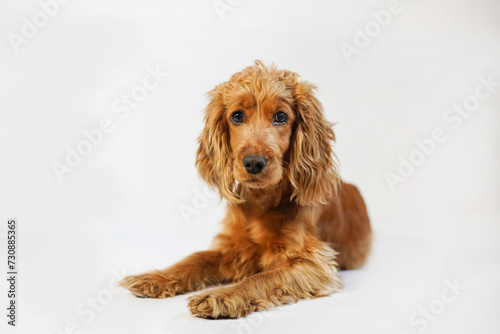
pixel 254 164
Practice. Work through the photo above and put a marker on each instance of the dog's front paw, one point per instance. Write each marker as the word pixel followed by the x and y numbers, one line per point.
pixel 218 303
pixel 151 285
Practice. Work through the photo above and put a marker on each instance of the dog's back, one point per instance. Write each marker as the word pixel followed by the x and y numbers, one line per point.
pixel 345 225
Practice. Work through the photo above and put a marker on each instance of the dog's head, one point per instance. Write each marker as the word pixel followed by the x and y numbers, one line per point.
pixel 265 126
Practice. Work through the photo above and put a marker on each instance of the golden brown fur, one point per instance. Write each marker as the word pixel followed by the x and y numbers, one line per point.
pixel 284 221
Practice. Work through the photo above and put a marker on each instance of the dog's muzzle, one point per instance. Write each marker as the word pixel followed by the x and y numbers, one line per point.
pixel 254 164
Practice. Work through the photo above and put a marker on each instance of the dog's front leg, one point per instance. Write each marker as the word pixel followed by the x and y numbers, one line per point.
pixel 306 274
pixel 193 273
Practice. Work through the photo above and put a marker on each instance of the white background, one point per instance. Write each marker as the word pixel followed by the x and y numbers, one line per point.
pixel 119 211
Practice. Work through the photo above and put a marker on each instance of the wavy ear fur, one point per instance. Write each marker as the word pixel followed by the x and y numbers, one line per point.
pixel 214 156
pixel 312 163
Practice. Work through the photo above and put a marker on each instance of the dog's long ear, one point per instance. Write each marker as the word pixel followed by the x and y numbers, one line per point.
pixel 214 156
pixel 312 165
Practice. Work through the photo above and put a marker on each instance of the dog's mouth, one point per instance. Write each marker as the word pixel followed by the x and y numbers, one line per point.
pixel 256 177
pixel 260 182
pixel 254 183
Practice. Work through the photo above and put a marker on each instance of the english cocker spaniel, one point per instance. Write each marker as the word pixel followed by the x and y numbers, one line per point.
pixel 290 223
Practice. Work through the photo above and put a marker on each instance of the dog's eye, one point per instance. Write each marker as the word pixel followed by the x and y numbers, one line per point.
pixel 237 117
pixel 280 118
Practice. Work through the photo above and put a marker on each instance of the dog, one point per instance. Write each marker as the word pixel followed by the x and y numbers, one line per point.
pixel 291 222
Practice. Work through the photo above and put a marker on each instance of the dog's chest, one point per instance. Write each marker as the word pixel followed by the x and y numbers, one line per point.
pixel 264 231
pixel 256 231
